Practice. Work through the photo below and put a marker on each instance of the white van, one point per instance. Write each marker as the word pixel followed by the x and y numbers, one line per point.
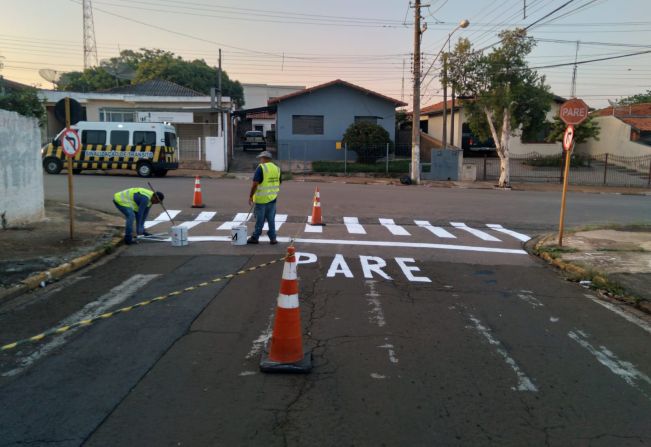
pixel 148 148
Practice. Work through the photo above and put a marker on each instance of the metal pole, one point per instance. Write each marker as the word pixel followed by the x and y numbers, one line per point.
pixel 445 101
pixel 485 159
pixel 345 159
pixel 452 118
pixel 387 164
pixel 565 181
pixel 415 122
pixel 606 169
pixel 71 196
pixel 220 121
pixel 161 204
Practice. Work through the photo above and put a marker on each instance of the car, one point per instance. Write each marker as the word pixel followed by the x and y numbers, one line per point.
pixel 473 146
pixel 254 139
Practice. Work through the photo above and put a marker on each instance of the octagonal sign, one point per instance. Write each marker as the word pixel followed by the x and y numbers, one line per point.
pixel 574 111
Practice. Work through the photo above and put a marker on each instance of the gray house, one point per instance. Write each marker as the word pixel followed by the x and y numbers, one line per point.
pixel 310 122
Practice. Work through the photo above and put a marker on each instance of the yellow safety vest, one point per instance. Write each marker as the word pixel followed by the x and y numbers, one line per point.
pixel 125 198
pixel 270 186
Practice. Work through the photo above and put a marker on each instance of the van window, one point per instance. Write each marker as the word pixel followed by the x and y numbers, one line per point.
pixel 170 139
pixel 93 137
pixel 141 138
pixel 120 137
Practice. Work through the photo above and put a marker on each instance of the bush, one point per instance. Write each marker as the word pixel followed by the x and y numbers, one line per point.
pixel 576 161
pixel 368 140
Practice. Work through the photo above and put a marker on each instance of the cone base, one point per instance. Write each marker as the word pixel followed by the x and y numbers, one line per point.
pixel 317 225
pixel 199 206
pixel 303 366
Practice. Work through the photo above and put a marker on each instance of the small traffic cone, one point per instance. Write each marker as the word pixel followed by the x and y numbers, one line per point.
pixel 286 351
pixel 197 199
pixel 316 219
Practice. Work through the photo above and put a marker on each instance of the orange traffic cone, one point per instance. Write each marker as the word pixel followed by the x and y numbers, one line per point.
pixel 197 200
pixel 316 219
pixel 286 350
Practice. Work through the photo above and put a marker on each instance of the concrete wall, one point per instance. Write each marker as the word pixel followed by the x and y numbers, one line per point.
pixel 339 105
pixel 614 138
pixel 257 95
pixel 21 172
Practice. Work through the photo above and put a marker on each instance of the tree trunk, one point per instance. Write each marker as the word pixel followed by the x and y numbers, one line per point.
pixel 499 147
pixel 505 171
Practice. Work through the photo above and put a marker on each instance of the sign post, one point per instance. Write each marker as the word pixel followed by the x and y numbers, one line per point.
pixel 572 112
pixel 71 144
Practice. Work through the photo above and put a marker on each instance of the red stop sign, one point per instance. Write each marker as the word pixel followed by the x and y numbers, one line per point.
pixel 574 111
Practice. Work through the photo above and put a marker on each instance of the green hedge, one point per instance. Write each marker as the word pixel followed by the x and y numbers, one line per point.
pixel 396 167
pixel 576 161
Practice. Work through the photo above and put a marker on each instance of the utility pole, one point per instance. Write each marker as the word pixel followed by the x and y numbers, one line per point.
pixel 415 122
pixel 219 95
pixel 445 101
pixel 576 56
pixel 402 90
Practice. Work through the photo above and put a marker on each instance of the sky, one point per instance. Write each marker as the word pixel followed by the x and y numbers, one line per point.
pixel 309 42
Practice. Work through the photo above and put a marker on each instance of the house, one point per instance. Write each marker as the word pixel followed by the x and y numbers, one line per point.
pixel 459 133
pixel 625 131
pixel 257 95
pixel 310 122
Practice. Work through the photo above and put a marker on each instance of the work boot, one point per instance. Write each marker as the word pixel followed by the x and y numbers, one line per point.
pixel 273 241
pixel 251 240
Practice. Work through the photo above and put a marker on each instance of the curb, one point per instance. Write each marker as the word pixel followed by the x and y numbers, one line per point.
pixel 600 281
pixel 58 272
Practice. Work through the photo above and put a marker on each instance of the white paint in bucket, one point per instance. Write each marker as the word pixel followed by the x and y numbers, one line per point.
pixel 179 236
pixel 238 235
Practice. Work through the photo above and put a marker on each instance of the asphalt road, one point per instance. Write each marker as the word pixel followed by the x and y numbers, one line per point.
pixel 444 335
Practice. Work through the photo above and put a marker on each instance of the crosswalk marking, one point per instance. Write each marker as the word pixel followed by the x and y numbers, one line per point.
pixel 438 231
pixel 353 226
pixel 312 228
pixel 480 234
pixel 280 219
pixel 204 216
pixel 515 234
pixel 237 220
pixel 393 228
pixel 162 217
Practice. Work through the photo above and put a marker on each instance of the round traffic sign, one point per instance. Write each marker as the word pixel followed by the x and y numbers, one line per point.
pixel 70 142
pixel 574 111
pixel 568 138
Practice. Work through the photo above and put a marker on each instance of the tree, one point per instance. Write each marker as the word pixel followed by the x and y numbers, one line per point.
pixel 505 93
pixel 582 133
pixel 637 99
pixel 149 64
pixel 24 101
pixel 368 140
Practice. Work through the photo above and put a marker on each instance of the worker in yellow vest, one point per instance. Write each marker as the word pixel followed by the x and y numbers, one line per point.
pixel 135 204
pixel 264 191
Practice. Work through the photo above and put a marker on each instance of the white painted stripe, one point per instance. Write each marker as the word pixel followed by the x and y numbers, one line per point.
pixel 377 314
pixel 280 219
pixel 162 217
pixel 237 220
pixel 396 230
pixel 627 316
pixel 392 353
pixel 289 271
pixel 527 297
pixel 263 338
pixel 112 298
pixel 353 226
pixel 203 216
pixel 312 228
pixel 623 369
pixel 438 231
pixel 515 234
pixel 524 383
pixel 366 244
pixel 480 234
pixel 287 301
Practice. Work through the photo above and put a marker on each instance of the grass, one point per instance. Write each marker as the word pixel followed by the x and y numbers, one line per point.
pixel 555 251
pixel 576 161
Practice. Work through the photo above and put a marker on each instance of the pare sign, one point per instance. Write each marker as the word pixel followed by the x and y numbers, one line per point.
pixel 574 111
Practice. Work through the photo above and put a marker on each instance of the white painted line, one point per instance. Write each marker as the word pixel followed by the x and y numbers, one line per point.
pixel 237 220
pixel 377 314
pixel 392 354
pixel 515 234
pixel 367 244
pixel 480 234
pixel 162 217
pixel 524 383
pixel 115 296
pixel 627 316
pixel 312 228
pixel 623 369
pixel 378 376
pixel 396 230
pixel 438 231
pixel 262 339
pixel 280 219
pixel 527 297
pixel 203 216
pixel 353 226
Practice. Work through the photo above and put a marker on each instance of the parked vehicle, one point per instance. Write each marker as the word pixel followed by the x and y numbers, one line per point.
pixel 254 139
pixel 147 148
pixel 473 146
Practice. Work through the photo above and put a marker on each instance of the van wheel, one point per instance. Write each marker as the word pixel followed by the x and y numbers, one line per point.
pixel 76 171
pixel 52 165
pixel 144 169
pixel 160 173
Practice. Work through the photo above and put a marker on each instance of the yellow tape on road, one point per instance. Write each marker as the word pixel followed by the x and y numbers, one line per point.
pixel 104 316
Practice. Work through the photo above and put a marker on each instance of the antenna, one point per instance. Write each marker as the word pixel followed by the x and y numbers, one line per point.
pixel 50 75
pixel 90 46
pixel 119 70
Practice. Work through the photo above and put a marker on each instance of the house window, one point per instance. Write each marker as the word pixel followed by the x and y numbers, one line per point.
pixel 119 117
pixel 307 124
pixel 366 119
pixel 141 138
pixel 538 136
pixel 259 128
pixel 93 137
pixel 120 137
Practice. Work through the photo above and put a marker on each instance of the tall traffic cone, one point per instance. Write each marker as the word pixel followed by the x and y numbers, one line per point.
pixel 197 199
pixel 316 219
pixel 286 351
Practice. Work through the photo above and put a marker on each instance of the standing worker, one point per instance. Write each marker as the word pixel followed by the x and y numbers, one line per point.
pixel 135 203
pixel 264 191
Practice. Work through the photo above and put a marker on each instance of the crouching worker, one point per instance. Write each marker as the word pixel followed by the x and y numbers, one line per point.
pixel 135 203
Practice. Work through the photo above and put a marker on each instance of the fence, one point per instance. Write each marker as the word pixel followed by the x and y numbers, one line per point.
pixel 191 149
pixel 603 169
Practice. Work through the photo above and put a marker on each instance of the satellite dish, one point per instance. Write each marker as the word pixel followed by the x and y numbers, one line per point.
pixel 119 71
pixel 50 75
pixel 613 103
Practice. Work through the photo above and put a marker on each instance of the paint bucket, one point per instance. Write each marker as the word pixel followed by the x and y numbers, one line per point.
pixel 238 235
pixel 179 236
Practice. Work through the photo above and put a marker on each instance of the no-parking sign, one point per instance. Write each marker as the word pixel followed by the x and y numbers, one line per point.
pixel 70 142
pixel 568 138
